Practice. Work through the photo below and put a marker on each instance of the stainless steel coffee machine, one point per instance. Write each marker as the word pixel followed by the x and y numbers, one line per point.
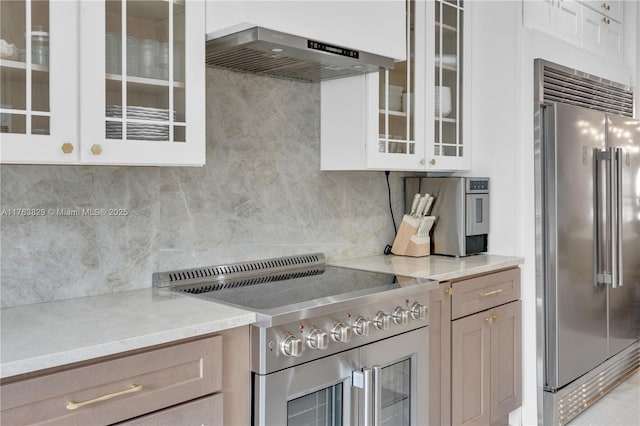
pixel 461 207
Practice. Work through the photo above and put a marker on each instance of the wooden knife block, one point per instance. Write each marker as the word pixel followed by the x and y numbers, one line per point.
pixel 407 243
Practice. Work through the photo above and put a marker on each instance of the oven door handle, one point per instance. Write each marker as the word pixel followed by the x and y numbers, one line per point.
pixel 377 395
pixel 364 380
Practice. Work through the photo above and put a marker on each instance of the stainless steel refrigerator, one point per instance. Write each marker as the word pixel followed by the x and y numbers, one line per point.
pixel 588 238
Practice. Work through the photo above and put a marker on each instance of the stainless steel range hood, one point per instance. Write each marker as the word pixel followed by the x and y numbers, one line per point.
pixel 263 51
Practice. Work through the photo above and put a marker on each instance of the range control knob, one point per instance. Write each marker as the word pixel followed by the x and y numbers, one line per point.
pixel 400 316
pixel 291 346
pixel 419 311
pixel 361 326
pixel 381 320
pixel 341 333
pixel 318 339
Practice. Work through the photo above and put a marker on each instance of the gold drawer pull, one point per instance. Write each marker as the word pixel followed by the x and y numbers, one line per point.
pixel 73 405
pixel 489 293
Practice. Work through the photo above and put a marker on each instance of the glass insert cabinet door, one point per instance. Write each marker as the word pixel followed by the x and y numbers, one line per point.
pixel 400 123
pixel 148 74
pixel 448 142
pixel 38 73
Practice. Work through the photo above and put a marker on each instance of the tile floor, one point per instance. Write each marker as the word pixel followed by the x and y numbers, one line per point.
pixel 620 407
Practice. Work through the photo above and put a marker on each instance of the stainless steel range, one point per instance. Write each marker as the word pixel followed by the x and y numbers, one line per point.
pixel 331 346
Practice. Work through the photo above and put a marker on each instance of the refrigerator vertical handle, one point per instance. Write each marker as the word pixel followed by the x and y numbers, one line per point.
pixel 377 395
pixel 618 219
pixel 612 214
pixel 597 220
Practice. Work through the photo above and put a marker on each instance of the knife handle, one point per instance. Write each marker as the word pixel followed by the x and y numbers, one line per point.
pixel 421 205
pixel 414 205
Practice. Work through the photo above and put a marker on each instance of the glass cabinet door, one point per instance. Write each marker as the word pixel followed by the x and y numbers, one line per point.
pixel 24 67
pixel 146 102
pixel 448 95
pixel 151 53
pixel 396 92
pixel 400 109
pixel 37 44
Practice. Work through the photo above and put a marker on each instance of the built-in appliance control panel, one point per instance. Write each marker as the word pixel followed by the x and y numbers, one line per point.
pixel 477 185
pixel 275 348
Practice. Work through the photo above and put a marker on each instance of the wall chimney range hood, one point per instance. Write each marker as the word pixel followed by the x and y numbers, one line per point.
pixel 259 50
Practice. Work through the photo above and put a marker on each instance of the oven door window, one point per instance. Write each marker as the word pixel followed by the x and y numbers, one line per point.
pixel 396 393
pixel 321 408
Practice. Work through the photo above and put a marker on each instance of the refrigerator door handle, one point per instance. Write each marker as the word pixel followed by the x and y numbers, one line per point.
pixel 598 277
pixel 617 219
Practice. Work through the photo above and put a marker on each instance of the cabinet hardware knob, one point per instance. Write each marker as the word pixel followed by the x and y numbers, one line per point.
pixel 422 162
pixel 450 291
pixel 606 6
pixel 67 148
pixel 606 21
pixel 432 162
pixel 96 149
pixel 489 319
pixel 133 388
pixel 495 317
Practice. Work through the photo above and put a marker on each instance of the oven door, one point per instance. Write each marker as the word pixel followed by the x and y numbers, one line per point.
pixel 398 382
pixel 317 393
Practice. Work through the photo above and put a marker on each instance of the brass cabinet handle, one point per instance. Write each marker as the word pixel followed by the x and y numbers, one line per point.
pixel 433 162
pixel 606 21
pixel 96 149
pixel 450 291
pixel 606 6
pixel 489 293
pixel 67 148
pixel 491 318
pixel 73 405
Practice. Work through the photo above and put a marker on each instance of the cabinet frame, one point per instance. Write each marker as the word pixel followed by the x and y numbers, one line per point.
pixel 63 113
pixel 93 97
pixel 350 110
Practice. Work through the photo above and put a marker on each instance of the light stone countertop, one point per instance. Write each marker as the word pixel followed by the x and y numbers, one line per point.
pixel 439 268
pixel 39 336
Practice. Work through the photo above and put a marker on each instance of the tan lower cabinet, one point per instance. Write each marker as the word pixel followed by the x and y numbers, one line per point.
pixel 204 381
pixel 475 345
pixel 485 365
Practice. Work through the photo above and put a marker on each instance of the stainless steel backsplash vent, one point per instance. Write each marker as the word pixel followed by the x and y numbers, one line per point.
pixel 211 278
pixel 560 84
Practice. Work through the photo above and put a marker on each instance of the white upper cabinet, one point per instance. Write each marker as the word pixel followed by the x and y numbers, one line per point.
pixel 594 26
pixel 609 8
pixel 372 26
pixel 38 78
pixel 410 118
pixel 70 101
pixel 153 113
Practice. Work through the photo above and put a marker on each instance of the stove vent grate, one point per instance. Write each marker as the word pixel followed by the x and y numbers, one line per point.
pixel 212 278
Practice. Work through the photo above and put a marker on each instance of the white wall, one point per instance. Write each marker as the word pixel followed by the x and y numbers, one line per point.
pixel 503 53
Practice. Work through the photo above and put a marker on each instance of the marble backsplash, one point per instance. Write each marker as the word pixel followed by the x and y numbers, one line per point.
pixel 261 194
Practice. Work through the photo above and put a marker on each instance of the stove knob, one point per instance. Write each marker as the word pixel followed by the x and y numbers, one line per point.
pixel 400 316
pixel 341 333
pixel 361 326
pixel 318 339
pixel 418 311
pixel 381 320
pixel 291 346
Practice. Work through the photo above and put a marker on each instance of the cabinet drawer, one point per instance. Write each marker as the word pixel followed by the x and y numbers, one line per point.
pixel 477 294
pixel 117 389
pixel 205 411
